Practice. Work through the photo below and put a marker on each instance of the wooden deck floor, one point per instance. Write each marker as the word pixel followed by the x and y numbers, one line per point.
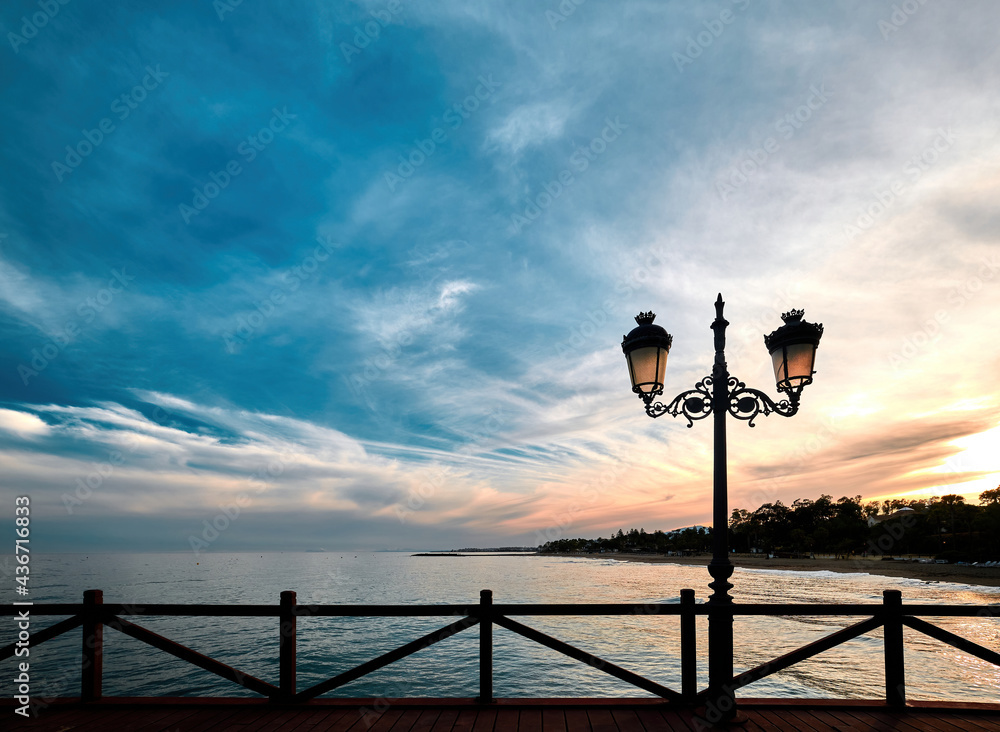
pixel 541 715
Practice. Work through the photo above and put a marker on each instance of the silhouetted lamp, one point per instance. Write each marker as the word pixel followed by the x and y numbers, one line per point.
pixel 793 353
pixel 646 349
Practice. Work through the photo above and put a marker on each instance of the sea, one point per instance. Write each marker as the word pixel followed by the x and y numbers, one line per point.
pixel 646 644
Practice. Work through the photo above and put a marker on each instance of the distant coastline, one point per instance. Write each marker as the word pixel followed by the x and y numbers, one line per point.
pixel 476 553
pixel 961 574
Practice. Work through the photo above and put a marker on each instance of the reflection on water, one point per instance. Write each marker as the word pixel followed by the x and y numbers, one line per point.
pixel 649 645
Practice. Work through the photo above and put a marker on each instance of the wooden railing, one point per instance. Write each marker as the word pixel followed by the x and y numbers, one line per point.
pixel 891 615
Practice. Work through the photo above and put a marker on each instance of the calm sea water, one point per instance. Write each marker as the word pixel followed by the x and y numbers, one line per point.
pixel 647 645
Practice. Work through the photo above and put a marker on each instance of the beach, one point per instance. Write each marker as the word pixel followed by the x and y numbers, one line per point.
pixel 963 574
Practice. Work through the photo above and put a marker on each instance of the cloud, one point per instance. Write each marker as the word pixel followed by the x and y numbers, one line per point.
pixel 529 125
pixel 23 424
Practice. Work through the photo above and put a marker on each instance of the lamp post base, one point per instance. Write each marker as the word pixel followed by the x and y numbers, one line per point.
pixel 721 701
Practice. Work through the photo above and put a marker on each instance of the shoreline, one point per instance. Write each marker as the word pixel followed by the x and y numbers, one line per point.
pixel 959 574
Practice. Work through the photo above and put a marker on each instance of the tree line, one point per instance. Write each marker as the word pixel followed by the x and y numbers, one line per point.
pixel 943 526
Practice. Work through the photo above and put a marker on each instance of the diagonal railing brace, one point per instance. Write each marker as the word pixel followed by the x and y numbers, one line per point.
pixel 588 658
pixel 386 658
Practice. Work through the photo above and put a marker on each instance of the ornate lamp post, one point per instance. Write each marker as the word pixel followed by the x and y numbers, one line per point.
pixel 793 350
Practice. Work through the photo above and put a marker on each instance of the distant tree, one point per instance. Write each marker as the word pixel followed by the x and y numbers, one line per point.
pixel 990 497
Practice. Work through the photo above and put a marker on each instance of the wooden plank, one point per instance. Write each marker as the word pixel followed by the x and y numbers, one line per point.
pixel 292 722
pixel 780 720
pixel 485 720
pixel 576 721
pixel 425 722
pixel 167 719
pixel 530 720
pixel 626 719
pixel 114 719
pixel 465 721
pixel 64 715
pixel 406 720
pixel 932 721
pixel 807 720
pixel 445 721
pixel 977 722
pixel 258 720
pixel 352 719
pixel 326 716
pixel 661 720
pixel 210 718
pixel 881 719
pixel 507 719
pixel 386 721
pixel 283 720
pixel 553 720
pixel 601 720
pixel 832 721
pixel 753 723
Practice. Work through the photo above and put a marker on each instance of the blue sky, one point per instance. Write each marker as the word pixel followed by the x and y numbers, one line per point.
pixel 355 275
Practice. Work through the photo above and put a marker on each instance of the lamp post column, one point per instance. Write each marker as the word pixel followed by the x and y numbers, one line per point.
pixel 720 619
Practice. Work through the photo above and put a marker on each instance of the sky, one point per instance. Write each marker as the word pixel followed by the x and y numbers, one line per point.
pixel 355 275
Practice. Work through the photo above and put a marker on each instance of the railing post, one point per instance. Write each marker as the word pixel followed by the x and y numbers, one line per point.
pixel 286 646
pixel 486 647
pixel 892 639
pixel 92 666
pixel 689 657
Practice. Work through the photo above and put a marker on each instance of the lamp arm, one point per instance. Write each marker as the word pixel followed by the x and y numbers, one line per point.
pixel 743 403
pixel 747 404
pixel 693 404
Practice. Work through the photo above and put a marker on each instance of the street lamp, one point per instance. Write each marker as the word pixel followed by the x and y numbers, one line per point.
pixel 793 351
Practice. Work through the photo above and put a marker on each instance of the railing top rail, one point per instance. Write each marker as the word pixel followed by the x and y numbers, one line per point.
pixel 554 609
